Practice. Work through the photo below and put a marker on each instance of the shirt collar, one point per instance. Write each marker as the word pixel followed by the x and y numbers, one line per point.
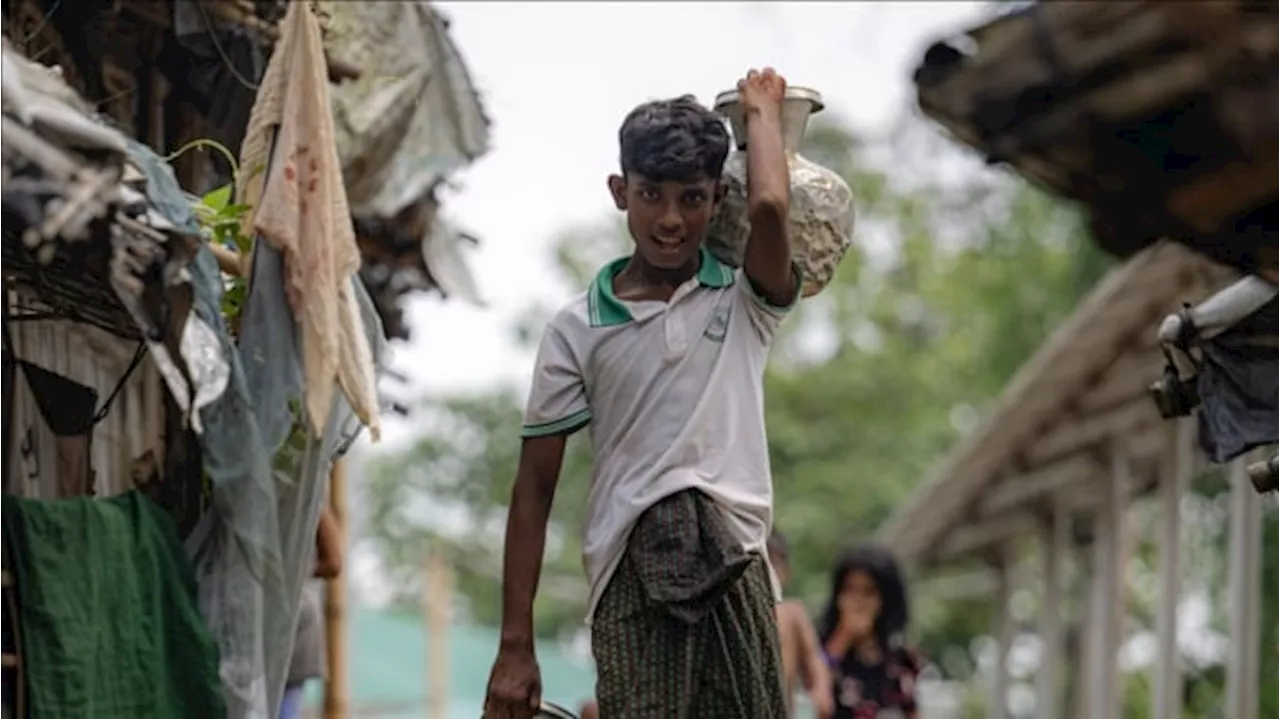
pixel 604 309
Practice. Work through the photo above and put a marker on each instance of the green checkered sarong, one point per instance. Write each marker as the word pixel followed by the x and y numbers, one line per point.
pixel 686 627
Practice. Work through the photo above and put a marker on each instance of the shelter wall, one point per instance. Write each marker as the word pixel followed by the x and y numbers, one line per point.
pixel 131 433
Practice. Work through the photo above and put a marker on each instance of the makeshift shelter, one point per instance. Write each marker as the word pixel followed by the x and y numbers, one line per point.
pixel 100 234
pixel 1073 443
pixel 1160 118
pixel 173 73
pixel 110 360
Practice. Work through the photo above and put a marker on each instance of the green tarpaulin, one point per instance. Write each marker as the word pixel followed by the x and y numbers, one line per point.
pixel 388 668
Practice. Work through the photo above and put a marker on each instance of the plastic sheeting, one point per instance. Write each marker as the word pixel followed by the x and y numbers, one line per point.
pixel 406 127
pixel 253 552
pixel 261 549
pixel 1237 387
pixel 269 346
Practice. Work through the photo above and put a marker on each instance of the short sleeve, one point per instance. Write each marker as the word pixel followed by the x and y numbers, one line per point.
pixel 766 316
pixel 557 396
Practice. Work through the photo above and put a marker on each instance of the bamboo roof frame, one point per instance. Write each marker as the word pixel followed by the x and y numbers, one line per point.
pixel 1044 441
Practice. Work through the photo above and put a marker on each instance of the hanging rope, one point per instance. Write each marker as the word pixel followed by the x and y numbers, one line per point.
pixel 138 354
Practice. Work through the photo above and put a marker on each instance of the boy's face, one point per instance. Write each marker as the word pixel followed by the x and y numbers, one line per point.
pixel 668 220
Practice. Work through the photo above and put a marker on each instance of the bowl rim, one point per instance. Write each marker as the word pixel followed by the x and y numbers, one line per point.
pixel 794 92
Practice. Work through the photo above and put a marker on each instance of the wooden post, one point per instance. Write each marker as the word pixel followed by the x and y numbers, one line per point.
pixel 1175 481
pixel 337 695
pixel 1245 595
pixel 1084 610
pixel 1003 624
pixel 1054 541
pixel 1108 590
pixel 159 90
pixel 190 167
pixel 437 606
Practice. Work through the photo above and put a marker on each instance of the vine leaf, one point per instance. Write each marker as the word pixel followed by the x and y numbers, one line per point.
pixel 218 199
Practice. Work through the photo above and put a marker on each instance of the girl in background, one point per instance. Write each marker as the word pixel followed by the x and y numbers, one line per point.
pixel 873 673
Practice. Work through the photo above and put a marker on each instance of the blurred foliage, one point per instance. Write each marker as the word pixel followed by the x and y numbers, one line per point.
pixel 954 282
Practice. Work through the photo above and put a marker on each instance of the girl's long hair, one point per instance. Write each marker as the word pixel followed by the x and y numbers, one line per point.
pixel 879 564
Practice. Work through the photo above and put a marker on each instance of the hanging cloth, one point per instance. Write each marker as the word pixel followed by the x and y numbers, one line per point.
pixel 51 429
pixel 107 612
pixel 1237 387
pixel 301 209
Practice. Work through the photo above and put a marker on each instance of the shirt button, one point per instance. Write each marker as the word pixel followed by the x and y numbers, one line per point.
pixel 677 342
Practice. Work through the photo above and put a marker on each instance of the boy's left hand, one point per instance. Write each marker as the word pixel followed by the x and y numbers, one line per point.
pixel 762 91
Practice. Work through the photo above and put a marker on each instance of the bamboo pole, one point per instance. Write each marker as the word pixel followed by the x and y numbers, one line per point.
pixel 437 604
pixel 229 261
pixel 336 690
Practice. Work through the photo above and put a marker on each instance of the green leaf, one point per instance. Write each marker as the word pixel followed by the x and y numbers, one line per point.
pixel 235 211
pixel 217 199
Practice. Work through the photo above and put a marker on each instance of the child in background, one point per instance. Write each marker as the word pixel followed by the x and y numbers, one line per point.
pixel 802 657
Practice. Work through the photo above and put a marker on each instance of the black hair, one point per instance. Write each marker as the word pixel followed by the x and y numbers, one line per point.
pixel 676 139
pixel 879 564
pixel 777 544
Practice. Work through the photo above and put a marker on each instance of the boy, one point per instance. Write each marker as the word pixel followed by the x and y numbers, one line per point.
pixel 802 658
pixel 664 358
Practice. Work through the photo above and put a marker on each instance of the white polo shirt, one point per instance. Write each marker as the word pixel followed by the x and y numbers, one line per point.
pixel 673 394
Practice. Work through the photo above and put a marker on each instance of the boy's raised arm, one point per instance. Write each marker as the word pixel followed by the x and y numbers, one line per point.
pixel 767 262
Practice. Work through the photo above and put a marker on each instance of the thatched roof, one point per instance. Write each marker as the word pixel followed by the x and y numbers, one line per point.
pixel 1160 117
pixel 81 240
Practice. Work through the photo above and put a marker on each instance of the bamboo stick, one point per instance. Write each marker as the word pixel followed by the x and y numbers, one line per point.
pixel 437 601
pixel 229 261
pixel 336 690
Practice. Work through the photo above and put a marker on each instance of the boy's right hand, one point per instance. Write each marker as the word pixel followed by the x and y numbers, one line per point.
pixel 762 91
pixel 515 685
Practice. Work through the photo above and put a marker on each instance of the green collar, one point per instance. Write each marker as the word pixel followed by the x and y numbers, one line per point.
pixel 604 309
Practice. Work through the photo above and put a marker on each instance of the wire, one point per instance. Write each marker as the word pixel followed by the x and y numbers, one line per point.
pixel 138 354
pixel 43 21
pixel 217 45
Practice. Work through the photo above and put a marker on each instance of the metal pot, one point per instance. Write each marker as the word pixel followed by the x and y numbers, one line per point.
pixel 797 105
pixel 820 223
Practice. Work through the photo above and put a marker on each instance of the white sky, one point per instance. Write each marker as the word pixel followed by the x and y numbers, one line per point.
pixel 557 79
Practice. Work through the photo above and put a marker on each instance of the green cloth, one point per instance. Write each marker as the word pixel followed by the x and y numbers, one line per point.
pixel 107 612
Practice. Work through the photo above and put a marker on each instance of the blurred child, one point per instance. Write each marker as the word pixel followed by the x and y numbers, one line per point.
pixel 802 658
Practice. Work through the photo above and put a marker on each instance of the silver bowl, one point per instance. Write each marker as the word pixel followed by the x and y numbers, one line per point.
pixel 797 105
